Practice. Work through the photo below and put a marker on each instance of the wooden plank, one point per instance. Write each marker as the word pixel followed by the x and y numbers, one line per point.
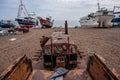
pixel 36 75
pixel 20 70
pixel 98 70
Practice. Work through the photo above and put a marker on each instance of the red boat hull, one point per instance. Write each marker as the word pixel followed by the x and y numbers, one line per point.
pixel 45 23
pixel 27 26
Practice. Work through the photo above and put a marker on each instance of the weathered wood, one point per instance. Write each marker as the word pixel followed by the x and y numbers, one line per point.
pixel 36 75
pixel 20 70
pixel 98 70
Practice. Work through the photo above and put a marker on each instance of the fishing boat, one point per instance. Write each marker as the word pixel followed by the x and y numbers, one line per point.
pixel 6 24
pixel 27 21
pixel 101 18
pixel 116 19
pixel 46 23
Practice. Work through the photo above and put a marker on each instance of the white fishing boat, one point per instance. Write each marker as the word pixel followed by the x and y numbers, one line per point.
pixel 101 18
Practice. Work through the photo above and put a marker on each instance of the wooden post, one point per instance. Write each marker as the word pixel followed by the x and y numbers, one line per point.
pixel 66 27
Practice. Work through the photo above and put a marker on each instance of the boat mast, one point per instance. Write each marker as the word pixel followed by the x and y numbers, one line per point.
pixel 22 8
pixel 115 8
pixel 98 6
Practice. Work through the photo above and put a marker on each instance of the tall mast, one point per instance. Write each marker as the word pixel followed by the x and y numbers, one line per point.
pixel 22 8
pixel 98 6
pixel 21 2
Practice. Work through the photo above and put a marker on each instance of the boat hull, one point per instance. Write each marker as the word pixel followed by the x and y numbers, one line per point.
pixel 88 24
pixel 26 23
pixel 46 24
pixel 6 25
pixel 116 19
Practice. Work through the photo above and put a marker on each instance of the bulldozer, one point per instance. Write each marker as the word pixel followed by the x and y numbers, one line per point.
pixel 58 51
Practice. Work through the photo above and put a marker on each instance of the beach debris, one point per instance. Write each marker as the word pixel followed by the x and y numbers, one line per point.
pixel 3 32
pixel 58 74
pixel 12 39
pixel 19 32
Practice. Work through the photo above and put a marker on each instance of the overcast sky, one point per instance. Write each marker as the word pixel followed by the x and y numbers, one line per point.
pixel 58 9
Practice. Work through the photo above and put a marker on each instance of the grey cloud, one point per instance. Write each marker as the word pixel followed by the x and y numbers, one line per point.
pixel 63 9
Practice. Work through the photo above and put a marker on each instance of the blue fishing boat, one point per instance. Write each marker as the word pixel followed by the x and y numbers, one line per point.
pixel 116 19
pixel 6 24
